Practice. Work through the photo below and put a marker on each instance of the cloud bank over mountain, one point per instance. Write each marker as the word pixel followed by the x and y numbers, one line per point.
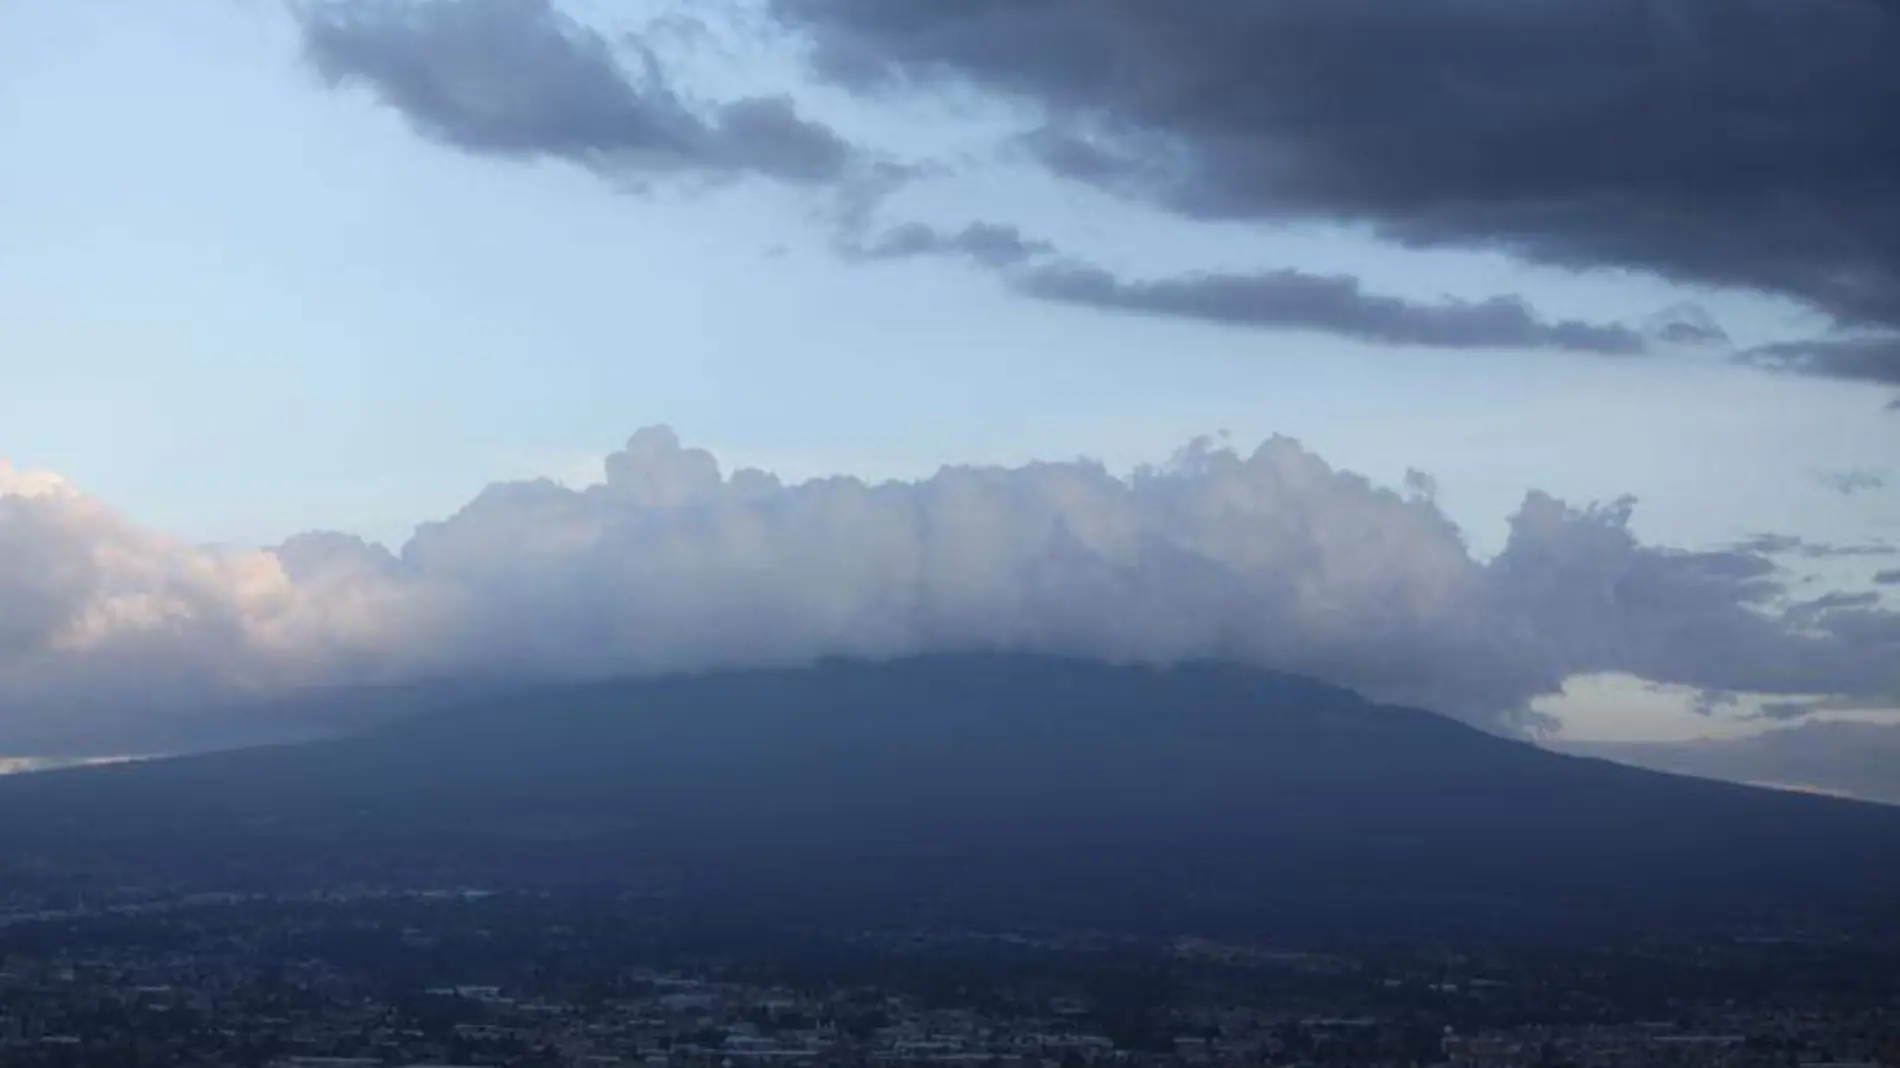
pixel 1272 558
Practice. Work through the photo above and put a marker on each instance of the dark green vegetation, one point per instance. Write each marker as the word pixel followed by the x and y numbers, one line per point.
pixel 987 789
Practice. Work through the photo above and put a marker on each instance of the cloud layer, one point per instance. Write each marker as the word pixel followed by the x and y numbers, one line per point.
pixel 518 78
pixel 1272 558
pixel 1738 143
pixel 1856 759
pixel 1743 144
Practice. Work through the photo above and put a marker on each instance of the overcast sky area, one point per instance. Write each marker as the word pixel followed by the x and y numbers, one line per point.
pixel 1535 361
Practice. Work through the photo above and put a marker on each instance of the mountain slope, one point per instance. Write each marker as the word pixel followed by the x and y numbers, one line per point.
pixel 991 782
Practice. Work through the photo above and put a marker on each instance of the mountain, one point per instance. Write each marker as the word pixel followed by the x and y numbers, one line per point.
pixel 168 726
pixel 982 789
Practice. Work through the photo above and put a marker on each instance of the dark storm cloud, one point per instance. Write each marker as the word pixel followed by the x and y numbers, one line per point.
pixel 1336 304
pixel 1741 143
pixel 517 78
pixel 1279 109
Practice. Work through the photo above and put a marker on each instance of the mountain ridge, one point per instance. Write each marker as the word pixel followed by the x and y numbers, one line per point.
pixel 1003 782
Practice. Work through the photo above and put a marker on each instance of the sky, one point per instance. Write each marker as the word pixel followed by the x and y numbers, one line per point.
pixel 1532 361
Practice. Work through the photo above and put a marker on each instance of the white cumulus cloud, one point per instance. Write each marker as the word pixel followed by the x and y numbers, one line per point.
pixel 1270 557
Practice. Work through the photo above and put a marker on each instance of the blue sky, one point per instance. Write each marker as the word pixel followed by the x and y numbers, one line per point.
pixel 238 303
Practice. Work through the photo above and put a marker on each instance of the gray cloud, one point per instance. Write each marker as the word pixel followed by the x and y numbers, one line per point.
pixel 1772 543
pixel 1332 303
pixel 1818 608
pixel 1285 300
pixel 1856 759
pixel 1887 578
pixel 766 135
pixel 307 557
pixel 1706 620
pixel 1848 483
pixel 518 78
pixel 1839 599
pixel 1688 323
pixel 1786 545
pixel 1271 558
pixel 1690 334
pixel 1741 143
pixel 1863 359
pixel 41 583
pixel 1789 711
pixel 990 244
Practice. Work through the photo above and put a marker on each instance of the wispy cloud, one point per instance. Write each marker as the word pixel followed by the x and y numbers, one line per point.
pixel 1273 300
pixel 1338 304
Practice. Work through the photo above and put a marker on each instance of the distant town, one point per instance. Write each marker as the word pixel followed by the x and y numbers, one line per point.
pixel 367 979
